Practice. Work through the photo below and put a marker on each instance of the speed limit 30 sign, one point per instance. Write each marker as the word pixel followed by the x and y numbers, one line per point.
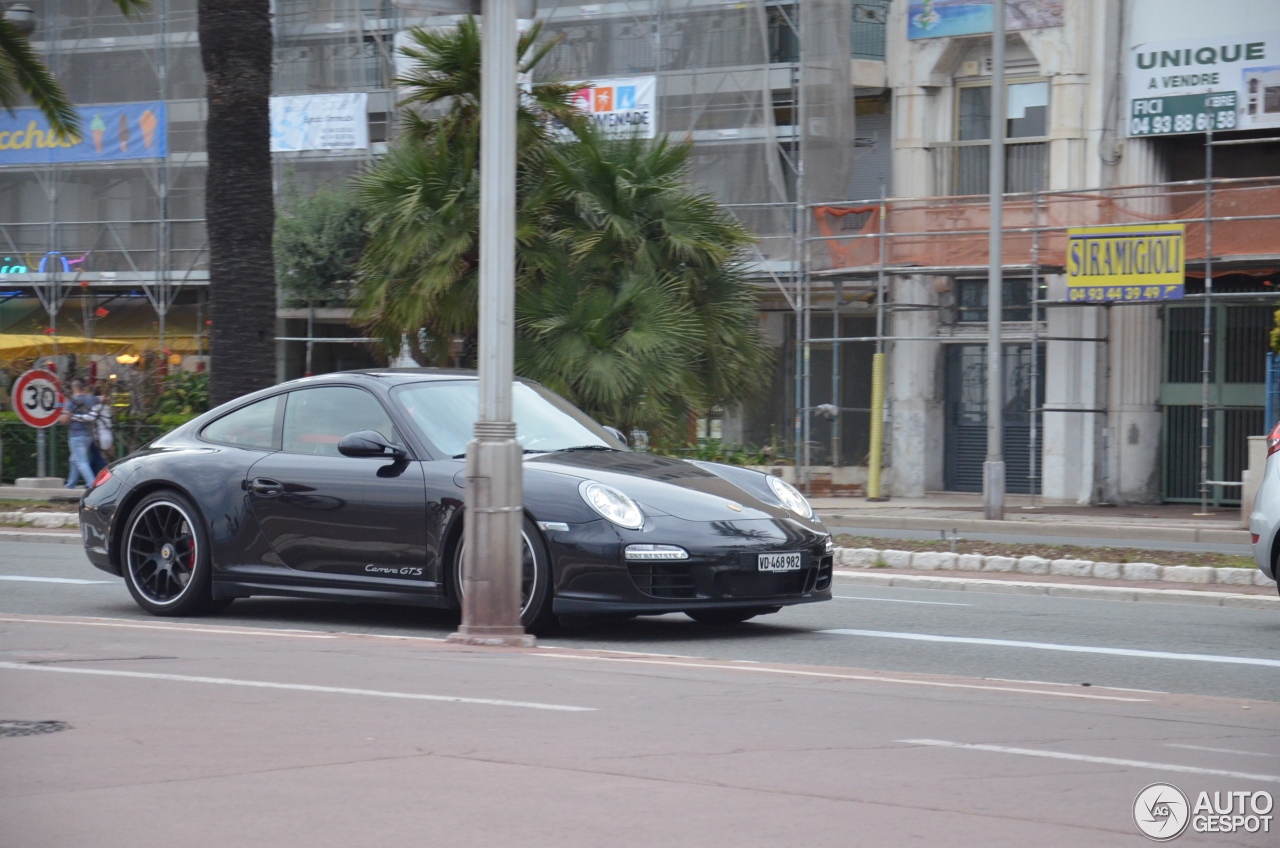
pixel 37 398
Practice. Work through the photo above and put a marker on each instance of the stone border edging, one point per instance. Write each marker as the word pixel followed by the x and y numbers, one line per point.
pixel 1145 571
pixel 44 520
pixel 1061 590
pixel 1032 527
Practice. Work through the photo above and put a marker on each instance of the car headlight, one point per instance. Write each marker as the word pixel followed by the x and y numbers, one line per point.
pixel 790 497
pixel 612 504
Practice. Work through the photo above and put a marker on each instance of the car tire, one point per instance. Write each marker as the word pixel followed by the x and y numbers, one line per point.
pixel 535 615
pixel 165 557
pixel 728 616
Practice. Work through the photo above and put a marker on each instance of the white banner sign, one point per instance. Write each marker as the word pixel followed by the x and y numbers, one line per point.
pixel 320 122
pixel 621 106
pixel 1192 85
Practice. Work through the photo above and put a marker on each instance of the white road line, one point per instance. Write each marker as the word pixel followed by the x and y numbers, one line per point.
pixel 296 687
pixel 875 679
pixel 899 601
pixel 1084 758
pixel 1218 750
pixel 1050 646
pixel 178 628
pixel 25 579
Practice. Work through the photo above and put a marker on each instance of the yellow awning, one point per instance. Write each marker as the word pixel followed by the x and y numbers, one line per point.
pixel 22 346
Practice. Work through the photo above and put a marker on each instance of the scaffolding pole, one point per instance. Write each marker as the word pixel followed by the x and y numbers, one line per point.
pixel 1207 329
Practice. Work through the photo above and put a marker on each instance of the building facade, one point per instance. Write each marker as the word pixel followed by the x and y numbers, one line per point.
pixel 1102 403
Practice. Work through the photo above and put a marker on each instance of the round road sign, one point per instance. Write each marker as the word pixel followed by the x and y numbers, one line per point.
pixel 37 398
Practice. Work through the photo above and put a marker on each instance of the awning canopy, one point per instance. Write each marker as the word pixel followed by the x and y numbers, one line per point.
pixel 22 346
pixel 25 346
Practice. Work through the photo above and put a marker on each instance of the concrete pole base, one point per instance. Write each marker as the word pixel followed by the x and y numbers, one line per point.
pixel 993 490
pixel 491 570
pixel 466 636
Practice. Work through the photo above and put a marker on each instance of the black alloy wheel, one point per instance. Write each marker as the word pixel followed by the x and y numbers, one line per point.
pixel 535 582
pixel 165 557
pixel 729 616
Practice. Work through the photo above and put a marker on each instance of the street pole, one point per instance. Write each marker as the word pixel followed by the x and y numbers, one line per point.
pixel 491 566
pixel 993 469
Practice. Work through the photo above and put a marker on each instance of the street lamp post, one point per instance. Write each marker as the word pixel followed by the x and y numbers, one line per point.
pixel 494 519
pixel 492 529
pixel 993 469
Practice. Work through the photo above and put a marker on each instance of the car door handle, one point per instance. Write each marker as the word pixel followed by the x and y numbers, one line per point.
pixel 265 487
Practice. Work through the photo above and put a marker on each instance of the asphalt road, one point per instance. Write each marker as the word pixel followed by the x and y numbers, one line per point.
pixel 289 723
pixel 1159 647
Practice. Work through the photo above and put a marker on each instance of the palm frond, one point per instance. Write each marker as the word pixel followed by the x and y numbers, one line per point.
pixel 22 72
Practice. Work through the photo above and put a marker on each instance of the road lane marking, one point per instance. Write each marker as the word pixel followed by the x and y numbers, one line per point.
pixel 178 628
pixel 1218 750
pixel 1050 646
pixel 23 578
pixel 295 687
pixel 1085 758
pixel 899 601
pixel 906 681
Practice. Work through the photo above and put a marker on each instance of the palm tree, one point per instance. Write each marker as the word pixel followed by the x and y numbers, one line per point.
pixel 23 73
pixel 625 208
pixel 422 199
pixel 631 300
pixel 236 51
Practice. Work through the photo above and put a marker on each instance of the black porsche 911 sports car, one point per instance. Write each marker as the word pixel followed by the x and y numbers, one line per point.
pixel 350 486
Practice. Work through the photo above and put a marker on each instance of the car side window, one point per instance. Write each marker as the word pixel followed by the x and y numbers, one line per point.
pixel 315 420
pixel 252 426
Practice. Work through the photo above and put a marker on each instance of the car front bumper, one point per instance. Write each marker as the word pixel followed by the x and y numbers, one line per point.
pixel 592 576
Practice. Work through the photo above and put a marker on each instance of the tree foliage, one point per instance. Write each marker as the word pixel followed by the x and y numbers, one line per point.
pixel 317 243
pixel 631 299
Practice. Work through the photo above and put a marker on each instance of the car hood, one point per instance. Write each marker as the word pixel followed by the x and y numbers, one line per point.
pixel 667 486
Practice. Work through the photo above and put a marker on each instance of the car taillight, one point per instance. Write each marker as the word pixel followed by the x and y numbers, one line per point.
pixel 103 476
pixel 1273 440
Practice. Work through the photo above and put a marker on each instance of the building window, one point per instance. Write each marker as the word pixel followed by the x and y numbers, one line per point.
pixel 971 300
pixel 1026 126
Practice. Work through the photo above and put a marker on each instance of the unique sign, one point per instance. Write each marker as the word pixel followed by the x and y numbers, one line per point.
pixel 108 133
pixel 938 18
pixel 37 398
pixel 1130 262
pixel 320 122
pixel 1199 84
pixel 622 106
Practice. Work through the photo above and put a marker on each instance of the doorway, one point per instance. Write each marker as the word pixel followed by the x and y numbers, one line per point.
pixel 965 437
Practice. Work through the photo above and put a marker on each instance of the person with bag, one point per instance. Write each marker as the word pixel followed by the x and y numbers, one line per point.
pixel 103 449
pixel 79 413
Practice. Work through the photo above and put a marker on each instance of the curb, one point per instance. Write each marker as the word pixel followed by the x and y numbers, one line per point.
pixel 54 538
pixel 1061 590
pixel 1136 532
pixel 1141 571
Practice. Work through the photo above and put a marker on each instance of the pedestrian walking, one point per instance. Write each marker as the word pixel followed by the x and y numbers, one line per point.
pixel 78 412
pixel 102 450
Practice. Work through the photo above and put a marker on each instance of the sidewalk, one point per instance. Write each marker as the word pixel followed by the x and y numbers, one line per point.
pixel 963 512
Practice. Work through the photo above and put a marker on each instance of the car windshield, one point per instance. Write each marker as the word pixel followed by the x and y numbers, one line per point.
pixel 445 412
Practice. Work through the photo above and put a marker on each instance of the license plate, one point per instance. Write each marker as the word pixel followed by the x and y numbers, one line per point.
pixel 780 562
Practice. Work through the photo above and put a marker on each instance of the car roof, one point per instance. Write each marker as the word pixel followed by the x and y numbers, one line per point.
pixel 389 376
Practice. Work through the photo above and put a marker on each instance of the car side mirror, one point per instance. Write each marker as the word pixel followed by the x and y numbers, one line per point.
pixel 368 443
pixel 616 433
